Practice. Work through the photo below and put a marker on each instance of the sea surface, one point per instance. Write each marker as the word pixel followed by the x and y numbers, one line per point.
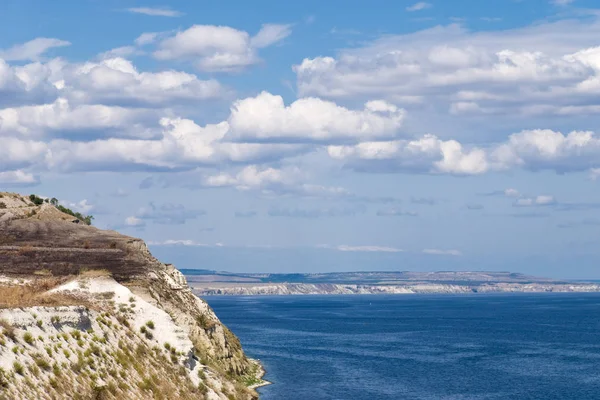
pixel 515 346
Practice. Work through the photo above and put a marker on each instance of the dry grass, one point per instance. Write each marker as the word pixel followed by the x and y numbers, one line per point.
pixel 95 273
pixel 34 294
pixel 26 250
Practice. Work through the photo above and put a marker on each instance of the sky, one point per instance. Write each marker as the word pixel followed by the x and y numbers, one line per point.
pixel 314 136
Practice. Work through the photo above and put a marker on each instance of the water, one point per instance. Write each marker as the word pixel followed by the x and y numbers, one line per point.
pixel 421 347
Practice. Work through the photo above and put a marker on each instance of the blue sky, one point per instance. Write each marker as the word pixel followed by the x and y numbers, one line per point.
pixel 314 136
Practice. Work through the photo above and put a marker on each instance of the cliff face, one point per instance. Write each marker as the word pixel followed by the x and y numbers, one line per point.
pixel 48 259
pixel 271 289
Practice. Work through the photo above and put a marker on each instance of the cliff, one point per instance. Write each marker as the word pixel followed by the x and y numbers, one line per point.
pixel 272 289
pixel 94 311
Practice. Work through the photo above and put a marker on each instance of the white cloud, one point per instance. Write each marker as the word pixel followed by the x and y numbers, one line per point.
pixel 110 81
pixel 443 252
pixel 219 48
pixel 155 12
pixel 425 154
pixel 595 173
pixel 419 6
pixel 273 181
pixel 510 192
pixel 32 50
pixel 368 249
pixel 542 200
pixel 546 68
pixel 82 206
pixel 134 221
pixel 60 116
pixel 183 145
pixel 147 38
pixel 532 150
pixel 270 34
pixel 18 177
pixel 120 52
pixel 266 117
pixel 251 177
pixel 116 80
pixel 547 149
pixel 16 153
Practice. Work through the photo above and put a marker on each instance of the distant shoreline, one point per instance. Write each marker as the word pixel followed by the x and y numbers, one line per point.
pixel 213 283
pixel 281 289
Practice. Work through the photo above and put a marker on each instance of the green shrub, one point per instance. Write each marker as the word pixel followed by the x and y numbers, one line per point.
pixel 42 363
pixel 8 330
pixel 36 200
pixel 150 324
pixel 3 378
pixel 28 338
pixel 18 367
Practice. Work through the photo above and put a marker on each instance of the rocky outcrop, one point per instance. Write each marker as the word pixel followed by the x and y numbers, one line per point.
pixel 103 270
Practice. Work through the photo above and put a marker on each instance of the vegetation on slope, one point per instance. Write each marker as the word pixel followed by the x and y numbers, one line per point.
pixel 86 219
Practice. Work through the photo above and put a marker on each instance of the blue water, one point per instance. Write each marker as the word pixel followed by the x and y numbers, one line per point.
pixel 421 347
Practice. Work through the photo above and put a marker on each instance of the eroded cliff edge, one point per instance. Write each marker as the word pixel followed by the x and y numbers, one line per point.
pixel 131 301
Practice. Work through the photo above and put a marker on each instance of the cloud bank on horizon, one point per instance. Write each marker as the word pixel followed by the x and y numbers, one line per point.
pixel 292 130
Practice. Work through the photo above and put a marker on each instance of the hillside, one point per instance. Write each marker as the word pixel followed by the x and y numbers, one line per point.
pixel 210 283
pixel 86 313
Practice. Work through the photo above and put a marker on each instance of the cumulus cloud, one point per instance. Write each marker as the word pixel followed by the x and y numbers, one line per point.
pixel 531 149
pixel 113 80
pixel 61 117
pixel 117 81
pixel 183 145
pixel 219 48
pixel 277 181
pixel 18 178
pixel 177 143
pixel 427 154
pixel 266 117
pixel 32 50
pixel 545 68
pixel 82 206
pixel 155 11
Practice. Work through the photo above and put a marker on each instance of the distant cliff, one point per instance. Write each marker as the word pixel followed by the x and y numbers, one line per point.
pixel 324 288
pixel 86 313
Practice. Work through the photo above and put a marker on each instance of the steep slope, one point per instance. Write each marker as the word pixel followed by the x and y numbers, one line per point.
pixel 48 259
